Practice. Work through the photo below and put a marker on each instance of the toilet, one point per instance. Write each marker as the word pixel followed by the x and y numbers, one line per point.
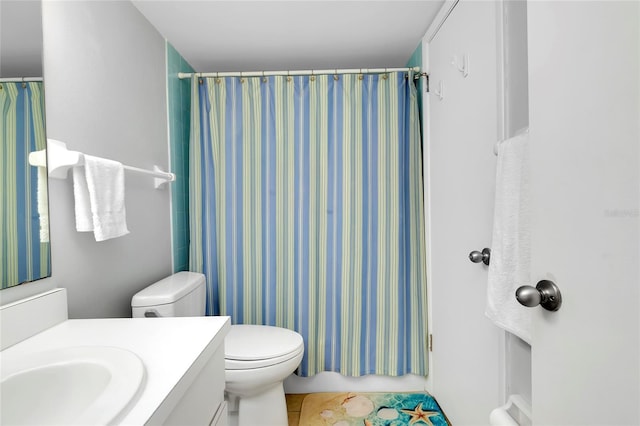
pixel 257 357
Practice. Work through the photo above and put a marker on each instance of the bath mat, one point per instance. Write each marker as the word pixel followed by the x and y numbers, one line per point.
pixel 371 409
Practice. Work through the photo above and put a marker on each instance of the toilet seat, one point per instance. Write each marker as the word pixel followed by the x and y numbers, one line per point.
pixel 256 346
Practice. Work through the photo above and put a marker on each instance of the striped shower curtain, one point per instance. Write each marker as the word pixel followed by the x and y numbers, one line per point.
pixel 306 212
pixel 24 223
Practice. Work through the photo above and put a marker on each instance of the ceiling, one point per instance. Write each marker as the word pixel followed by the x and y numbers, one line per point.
pixel 240 35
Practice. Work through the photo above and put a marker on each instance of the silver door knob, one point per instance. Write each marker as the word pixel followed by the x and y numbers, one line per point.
pixel 484 256
pixel 545 294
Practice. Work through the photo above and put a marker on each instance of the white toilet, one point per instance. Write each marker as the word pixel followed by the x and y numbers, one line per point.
pixel 257 358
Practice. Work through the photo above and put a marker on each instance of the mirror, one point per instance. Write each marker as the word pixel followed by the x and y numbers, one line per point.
pixel 24 210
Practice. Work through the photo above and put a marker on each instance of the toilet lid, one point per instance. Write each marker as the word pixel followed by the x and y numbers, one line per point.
pixel 260 342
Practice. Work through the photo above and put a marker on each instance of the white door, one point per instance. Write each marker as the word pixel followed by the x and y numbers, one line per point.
pixel 584 127
pixel 460 181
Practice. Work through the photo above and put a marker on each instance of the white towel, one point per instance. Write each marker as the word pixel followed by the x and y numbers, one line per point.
pixel 43 204
pixel 511 243
pixel 98 189
pixel 84 221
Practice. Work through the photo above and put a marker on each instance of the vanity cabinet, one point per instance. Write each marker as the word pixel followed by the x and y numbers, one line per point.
pixel 183 357
pixel 203 402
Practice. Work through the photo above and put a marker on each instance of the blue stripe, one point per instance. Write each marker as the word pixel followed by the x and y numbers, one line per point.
pixel 301 220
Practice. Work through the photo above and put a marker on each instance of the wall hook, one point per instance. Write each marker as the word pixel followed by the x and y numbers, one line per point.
pixel 440 92
pixel 465 64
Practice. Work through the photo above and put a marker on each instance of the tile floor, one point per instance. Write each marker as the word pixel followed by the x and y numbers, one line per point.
pixel 294 405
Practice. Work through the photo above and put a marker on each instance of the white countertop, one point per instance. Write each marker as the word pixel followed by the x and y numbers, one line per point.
pixel 168 347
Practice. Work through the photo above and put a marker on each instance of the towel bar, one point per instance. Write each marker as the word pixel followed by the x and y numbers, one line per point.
pixel 60 160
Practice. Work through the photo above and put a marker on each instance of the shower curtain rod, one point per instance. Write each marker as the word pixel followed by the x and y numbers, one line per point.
pixel 183 75
pixel 19 79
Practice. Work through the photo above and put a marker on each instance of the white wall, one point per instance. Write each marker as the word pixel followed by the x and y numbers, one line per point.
pixel 105 82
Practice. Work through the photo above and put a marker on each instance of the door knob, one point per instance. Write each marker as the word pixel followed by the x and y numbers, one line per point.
pixel 545 294
pixel 484 256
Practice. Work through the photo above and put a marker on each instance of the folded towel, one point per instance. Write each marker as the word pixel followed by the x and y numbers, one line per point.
pixel 511 242
pixel 99 198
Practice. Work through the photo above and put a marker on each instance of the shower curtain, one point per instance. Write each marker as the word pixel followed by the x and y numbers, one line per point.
pixel 306 212
pixel 24 224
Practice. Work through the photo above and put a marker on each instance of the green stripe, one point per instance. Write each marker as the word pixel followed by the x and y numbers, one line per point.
pixel 323 179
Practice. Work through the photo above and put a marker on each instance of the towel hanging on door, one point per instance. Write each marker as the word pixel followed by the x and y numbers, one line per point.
pixel 511 241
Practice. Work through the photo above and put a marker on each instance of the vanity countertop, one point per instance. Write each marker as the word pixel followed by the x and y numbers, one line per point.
pixel 173 351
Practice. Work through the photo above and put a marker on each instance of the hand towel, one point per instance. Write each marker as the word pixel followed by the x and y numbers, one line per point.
pixel 100 198
pixel 43 204
pixel 511 241
pixel 84 221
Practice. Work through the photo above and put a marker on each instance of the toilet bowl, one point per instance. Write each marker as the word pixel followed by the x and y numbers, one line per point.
pixel 257 357
pixel 257 360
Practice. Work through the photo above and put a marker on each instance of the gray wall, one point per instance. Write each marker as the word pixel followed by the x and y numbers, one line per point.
pixel 516 77
pixel 20 39
pixel 105 82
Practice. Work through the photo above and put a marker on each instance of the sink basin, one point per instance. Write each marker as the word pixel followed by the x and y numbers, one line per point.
pixel 88 385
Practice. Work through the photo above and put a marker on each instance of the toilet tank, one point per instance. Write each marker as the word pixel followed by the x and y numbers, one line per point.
pixel 179 295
